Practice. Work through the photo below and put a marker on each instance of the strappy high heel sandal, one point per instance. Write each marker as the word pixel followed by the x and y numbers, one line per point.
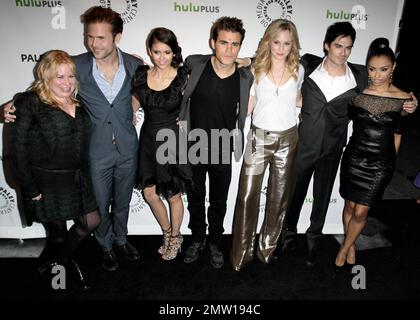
pixel 166 236
pixel 174 247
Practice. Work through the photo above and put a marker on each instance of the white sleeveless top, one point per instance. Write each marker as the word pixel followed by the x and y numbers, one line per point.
pixel 275 112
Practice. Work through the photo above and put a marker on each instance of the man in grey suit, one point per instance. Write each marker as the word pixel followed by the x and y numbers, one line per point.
pixel 216 98
pixel 104 74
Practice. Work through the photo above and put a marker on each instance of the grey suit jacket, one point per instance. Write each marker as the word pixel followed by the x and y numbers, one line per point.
pixel 108 119
pixel 197 63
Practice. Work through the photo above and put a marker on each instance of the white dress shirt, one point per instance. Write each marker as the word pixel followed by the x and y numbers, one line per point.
pixel 333 86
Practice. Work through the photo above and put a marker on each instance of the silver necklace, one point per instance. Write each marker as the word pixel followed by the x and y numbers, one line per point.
pixel 274 80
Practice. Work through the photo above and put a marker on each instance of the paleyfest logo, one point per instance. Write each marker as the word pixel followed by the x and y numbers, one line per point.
pixel 137 202
pixel 128 9
pixel 269 10
pixel 7 201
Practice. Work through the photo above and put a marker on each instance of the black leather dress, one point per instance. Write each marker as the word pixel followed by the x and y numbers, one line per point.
pixel 369 158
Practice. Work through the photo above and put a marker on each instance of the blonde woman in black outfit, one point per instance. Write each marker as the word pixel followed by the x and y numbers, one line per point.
pixel 49 143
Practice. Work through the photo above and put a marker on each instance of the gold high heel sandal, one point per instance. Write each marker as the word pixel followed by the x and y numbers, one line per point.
pixel 174 247
pixel 166 236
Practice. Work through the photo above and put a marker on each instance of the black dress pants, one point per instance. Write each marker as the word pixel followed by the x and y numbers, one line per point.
pixel 219 181
pixel 324 168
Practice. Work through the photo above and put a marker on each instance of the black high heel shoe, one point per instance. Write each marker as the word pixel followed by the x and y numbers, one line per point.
pixel 346 267
pixel 78 275
pixel 339 269
pixel 350 266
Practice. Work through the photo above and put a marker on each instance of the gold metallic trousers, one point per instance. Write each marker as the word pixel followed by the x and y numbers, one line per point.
pixel 276 148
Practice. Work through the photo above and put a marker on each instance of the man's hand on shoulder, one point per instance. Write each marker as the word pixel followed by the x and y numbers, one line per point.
pixel 8 112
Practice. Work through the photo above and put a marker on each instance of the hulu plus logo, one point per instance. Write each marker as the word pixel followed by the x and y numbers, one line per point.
pixel 190 7
pixel 38 3
pixel 358 16
pixel 58 19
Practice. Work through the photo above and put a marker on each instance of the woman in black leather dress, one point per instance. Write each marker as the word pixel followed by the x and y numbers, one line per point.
pixel 369 159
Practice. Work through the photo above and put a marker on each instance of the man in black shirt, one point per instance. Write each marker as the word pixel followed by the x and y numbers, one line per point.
pixel 215 102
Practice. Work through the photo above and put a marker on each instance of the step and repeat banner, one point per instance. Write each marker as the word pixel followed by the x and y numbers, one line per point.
pixel 28 28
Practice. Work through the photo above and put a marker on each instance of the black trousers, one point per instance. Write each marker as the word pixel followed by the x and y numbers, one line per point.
pixel 324 168
pixel 219 182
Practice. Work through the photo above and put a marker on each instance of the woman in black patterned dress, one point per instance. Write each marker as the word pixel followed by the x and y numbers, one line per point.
pixel 369 159
pixel 158 90
pixel 49 144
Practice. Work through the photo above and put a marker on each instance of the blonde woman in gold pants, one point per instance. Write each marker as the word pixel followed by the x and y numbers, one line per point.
pixel 272 141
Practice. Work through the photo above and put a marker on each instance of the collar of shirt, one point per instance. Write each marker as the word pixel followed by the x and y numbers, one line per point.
pixel 324 72
pixel 332 86
pixel 110 91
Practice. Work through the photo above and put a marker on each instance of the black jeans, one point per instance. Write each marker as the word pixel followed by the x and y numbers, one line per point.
pixel 219 181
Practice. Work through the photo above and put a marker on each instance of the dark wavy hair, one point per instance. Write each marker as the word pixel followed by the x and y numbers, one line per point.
pixel 231 24
pixel 380 47
pixel 338 29
pixel 167 37
pixel 98 14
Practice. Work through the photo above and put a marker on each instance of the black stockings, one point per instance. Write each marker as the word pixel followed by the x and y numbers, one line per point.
pixel 62 243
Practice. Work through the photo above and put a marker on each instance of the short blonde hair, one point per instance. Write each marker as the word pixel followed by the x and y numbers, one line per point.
pixel 46 70
pixel 262 63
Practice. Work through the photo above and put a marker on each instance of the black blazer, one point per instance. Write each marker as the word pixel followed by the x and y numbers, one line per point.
pixel 324 124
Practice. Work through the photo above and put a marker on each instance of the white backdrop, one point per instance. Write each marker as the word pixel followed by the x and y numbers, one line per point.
pixel 30 27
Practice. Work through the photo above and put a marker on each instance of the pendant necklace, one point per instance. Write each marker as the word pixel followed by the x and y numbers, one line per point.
pixel 274 80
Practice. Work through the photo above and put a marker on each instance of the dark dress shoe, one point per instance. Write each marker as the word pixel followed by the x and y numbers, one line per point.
pixel 274 258
pixel 109 262
pixel 313 247
pixel 311 257
pixel 310 261
pixel 216 256
pixel 78 275
pixel 193 251
pixel 277 254
pixel 288 242
pixel 128 251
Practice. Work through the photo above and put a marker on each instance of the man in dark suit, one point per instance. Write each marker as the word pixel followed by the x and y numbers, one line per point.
pixel 104 75
pixel 216 98
pixel 329 85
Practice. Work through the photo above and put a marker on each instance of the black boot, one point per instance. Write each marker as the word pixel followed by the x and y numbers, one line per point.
pixel 78 275
pixel 49 270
